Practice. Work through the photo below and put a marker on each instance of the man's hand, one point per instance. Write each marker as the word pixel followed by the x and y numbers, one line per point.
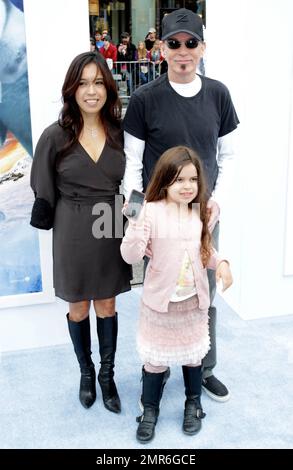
pixel 223 272
pixel 213 211
pixel 148 251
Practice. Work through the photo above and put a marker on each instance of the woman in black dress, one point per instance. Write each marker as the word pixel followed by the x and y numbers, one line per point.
pixel 76 173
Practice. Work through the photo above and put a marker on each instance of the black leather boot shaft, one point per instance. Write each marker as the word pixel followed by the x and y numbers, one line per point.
pixel 81 339
pixel 166 376
pixel 107 329
pixel 193 413
pixel 192 380
pixel 152 389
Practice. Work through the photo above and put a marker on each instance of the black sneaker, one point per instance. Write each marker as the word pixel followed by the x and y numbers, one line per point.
pixel 215 389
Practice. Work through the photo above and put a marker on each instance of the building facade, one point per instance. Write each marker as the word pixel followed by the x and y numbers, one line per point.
pixel 135 16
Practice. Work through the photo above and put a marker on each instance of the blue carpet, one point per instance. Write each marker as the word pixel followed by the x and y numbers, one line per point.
pixel 39 392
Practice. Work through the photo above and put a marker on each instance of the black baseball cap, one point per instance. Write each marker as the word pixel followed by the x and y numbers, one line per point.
pixel 182 21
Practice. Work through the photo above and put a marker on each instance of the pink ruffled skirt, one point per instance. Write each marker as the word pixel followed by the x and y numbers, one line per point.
pixel 179 336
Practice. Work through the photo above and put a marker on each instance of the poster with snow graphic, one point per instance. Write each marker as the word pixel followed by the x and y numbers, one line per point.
pixel 21 280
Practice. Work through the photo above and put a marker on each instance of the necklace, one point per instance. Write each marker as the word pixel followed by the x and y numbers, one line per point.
pixel 94 131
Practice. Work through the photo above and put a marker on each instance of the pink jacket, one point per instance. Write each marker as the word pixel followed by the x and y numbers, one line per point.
pixel 161 231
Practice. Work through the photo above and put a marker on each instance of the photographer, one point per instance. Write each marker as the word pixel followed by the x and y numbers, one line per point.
pixel 150 39
pixel 126 50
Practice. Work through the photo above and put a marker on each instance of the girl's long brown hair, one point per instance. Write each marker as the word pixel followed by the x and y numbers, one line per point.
pixel 70 118
pixel 141 53
pixel 165 172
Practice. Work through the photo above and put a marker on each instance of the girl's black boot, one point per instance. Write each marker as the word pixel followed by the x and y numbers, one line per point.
pixel 193 413
pixel 152 389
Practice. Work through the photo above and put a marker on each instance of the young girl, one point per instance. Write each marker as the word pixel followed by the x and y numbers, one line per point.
pixel 172 229
pixel 156 57
pixel 143 63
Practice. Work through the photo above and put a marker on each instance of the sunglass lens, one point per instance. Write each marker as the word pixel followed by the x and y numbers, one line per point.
pixel 173 44
pixel 191 43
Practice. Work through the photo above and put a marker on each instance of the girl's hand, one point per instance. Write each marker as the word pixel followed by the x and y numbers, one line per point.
pixel 124 208
pixel 223 272
pixel 125 205
pixel 133 218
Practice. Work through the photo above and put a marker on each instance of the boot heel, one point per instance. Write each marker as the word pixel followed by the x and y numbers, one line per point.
pixel 87 389
pixel 110 395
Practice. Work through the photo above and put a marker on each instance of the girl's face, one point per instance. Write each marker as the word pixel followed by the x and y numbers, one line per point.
pixel 141 45
pixel 185 187
pixel 91 95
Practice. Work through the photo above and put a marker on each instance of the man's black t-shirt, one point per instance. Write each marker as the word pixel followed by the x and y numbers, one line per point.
pixel 164 119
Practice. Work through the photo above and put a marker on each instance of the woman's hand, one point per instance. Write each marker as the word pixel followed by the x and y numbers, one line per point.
pixel 223 272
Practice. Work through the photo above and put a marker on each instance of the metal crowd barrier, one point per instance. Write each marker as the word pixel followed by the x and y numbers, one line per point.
pixel 131 75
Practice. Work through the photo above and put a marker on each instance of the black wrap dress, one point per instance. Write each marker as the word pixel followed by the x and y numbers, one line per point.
pixel 80 200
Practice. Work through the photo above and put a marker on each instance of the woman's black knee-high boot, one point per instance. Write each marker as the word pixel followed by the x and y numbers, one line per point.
pixel 193 413
pixel 81 338
pixel 152 390
pixel 107 329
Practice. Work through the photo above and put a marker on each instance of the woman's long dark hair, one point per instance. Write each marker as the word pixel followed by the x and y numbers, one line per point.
pixel 70 118
pixel 166 171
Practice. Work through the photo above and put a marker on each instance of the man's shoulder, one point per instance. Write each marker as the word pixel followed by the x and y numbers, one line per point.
pixel 155 86
pixel 214 85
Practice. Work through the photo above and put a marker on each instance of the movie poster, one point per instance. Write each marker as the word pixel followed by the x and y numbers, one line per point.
pixel 20 268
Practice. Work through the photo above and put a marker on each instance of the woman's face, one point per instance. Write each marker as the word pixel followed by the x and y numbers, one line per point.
pixel 91 95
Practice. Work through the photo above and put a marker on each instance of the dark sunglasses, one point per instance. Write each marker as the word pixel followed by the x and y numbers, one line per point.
pixel 190 43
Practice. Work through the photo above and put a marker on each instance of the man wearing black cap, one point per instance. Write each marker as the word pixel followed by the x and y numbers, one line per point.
pixel 183 108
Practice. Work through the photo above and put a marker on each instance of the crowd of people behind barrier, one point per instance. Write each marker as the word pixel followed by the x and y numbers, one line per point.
pixel 131 66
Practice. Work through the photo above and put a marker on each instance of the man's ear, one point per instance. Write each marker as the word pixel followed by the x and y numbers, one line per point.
pixel 203 48
pixel 163 48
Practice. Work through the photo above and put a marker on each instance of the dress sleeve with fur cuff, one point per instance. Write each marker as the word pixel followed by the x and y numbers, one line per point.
pixel 43 183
